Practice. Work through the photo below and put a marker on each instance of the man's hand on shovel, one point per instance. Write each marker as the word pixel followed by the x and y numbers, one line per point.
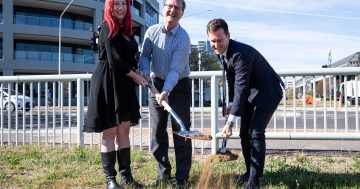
pixel 227 130
pixel 162 96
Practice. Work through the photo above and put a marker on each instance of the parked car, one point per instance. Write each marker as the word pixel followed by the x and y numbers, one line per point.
pixel 9 103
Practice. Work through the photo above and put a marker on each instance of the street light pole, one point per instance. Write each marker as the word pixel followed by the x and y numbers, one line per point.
pixel 59 58
pixel 199 63
pixel 329 66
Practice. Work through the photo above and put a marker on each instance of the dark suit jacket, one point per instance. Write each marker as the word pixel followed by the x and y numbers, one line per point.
pixel 251 78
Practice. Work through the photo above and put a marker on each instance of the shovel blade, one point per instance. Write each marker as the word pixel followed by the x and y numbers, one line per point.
pixel 193 135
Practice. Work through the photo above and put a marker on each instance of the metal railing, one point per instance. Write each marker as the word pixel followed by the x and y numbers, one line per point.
pixel 297 117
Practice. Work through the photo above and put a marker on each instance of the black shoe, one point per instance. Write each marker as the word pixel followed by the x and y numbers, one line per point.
pixel 108 162
pixel 129 181
pixel 181 184
pixel 252 184
pixel 162 180
pixel 126 178
pixel 242 179
pixel 112 184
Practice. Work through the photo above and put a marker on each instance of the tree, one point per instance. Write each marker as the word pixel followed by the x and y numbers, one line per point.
pixel 209 62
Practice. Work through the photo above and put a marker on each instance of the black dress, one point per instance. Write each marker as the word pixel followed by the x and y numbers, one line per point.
pixel 113 94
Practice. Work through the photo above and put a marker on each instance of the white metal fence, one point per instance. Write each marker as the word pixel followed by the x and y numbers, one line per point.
pixel 51 120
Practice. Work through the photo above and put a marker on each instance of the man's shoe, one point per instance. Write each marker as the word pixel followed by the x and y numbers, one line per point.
pixel 252 184
pixel 162 180
pixel 242 179
pixel 181 184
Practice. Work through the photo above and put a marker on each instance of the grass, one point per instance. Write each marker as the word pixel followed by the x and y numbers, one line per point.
pixel 46 167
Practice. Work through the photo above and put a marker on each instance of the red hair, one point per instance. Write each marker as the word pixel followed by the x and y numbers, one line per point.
pixel 114 27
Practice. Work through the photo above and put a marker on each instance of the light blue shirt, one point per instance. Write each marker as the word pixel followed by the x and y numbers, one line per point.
pixel 168 53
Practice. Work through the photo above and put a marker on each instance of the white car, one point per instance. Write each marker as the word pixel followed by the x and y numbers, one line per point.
pixel 10 105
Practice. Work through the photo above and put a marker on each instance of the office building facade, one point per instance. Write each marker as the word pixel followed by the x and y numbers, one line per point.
pixel 204 46
pixel 29 34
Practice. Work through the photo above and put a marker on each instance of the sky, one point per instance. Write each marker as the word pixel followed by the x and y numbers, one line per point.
pixel 291 34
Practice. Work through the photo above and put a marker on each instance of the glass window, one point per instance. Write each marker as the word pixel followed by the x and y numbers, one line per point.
pixel 79 25
pixel 88 59
pixel 32 20
pixel 31 47
pixel 43 21
pixel 67 23
pixel 20 19
pixel 67 57
pixel 78 51
pixel 65 49
pixel 136 8
pixel 50 18
pixel 45 56
pixel 33 55
pixel 20 46
pixel 55 22
pixel 20 55
pixel 150 15
pixel 79 59
pixel 88 52
pixel 135 11
pixel 48 51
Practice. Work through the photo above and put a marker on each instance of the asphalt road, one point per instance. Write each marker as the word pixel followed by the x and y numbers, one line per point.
pixel 204 122
pixel 279 121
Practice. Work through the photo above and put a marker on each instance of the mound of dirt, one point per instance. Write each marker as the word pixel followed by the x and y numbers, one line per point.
pixel 228 156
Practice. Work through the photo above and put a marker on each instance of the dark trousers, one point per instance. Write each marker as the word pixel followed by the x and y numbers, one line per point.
pixel 252 135
pixel 179 100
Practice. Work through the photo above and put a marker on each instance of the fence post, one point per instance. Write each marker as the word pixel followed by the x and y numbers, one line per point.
pixel 214 112
pixel 80 111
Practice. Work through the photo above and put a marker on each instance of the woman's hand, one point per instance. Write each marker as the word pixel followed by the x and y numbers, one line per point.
pixel 144 75
pixel 138 79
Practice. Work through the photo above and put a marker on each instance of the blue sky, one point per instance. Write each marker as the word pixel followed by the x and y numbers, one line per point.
pixel 291 34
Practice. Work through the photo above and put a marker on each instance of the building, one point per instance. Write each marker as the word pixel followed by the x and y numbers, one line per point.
pixel 352 60
pixel 29 34
pixel 204 46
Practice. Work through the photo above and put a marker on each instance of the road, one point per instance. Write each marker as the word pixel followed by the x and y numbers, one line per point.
pixel 199 122
pixel 54 123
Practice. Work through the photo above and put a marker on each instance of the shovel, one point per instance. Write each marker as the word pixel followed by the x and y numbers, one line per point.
pixel 222 154
pixel 223 149
pixel 183 132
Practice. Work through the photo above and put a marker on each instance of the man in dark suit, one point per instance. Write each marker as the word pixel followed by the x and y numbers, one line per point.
pixel 254 94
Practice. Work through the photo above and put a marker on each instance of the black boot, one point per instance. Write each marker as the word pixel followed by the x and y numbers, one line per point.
pixel 108 162
pixel 124 161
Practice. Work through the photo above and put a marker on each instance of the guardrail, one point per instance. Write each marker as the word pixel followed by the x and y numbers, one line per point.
pixel 54 121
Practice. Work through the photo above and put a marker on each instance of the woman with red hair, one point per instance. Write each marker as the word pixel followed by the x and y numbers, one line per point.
pixel 113 106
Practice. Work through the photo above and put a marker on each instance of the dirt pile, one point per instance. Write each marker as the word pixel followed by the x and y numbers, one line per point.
pixel 228 156
pixel 210 178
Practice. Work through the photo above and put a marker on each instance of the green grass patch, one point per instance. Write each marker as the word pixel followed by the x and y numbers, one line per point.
pixel 47 167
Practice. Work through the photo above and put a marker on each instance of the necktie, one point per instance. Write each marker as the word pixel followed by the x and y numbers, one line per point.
pixel 223 63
